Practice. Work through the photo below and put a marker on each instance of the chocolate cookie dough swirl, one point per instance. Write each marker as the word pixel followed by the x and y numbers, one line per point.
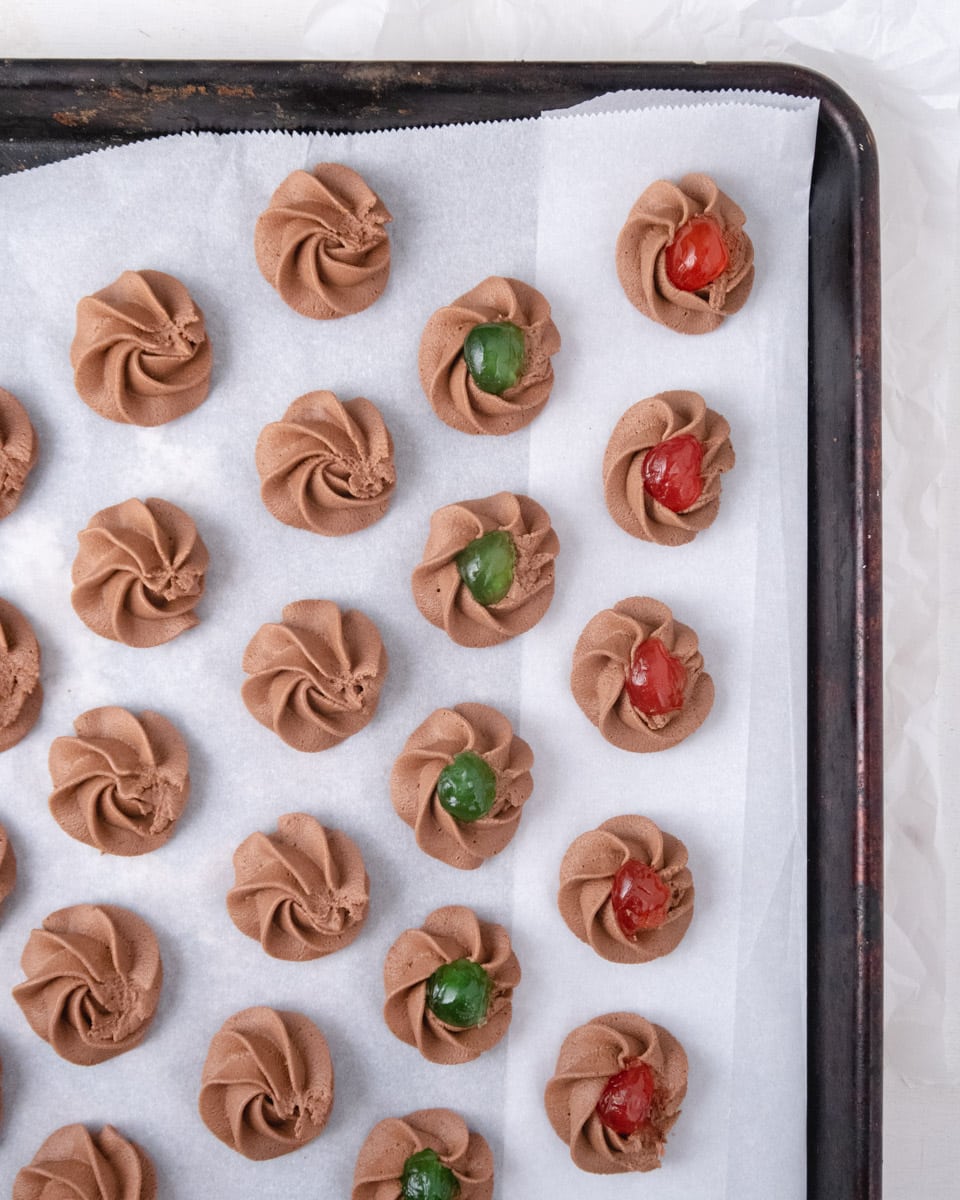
pixel 139 572
pixel 648 424
pixel 652 225
pixel 587 873
pixel 455 397
pixel 443 597
pixel 77 1163
pixel 93 980
pixel 141 355
pixel 315 677
pixel 18 451
pixel 267 1084
pixel 302 892
pixel 8 866
pixel 602 657
pixel 590 1055
pixel 379 1170
pixel 21 693
pixel 327 467
pixel 448 935
pixel 122 783
pixel 433 746
pixel 322 243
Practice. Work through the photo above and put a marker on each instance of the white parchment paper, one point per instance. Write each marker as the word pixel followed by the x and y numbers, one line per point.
pixel 542 201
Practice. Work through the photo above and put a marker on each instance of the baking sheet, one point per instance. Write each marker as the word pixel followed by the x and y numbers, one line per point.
pixel 733 991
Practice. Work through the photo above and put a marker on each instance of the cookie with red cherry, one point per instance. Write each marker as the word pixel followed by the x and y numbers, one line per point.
pixel 662 467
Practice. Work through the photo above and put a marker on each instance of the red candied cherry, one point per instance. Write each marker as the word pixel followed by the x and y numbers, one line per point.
pixel 655 680
pixel 697 255
pixel 626 1100
pixel 640 898
pixel 671 472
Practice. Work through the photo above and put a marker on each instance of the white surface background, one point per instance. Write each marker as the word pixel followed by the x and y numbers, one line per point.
pixel 899 60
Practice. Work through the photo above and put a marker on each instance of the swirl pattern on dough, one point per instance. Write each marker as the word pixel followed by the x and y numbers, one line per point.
pixel 586 878
pixel 327 467
pixel 302 892
pixel 141 355
pixel 449 386
pixel 448 934
pixel 446 601
pixel 652 225
pixel 139 573
pixel 21 693
pixel 589 1056
pixel 601 658
pixel 432 746
pixel 388 1145
pixel 93 980
pixel 77 1164
pixel 643 426
pixel 267 1084
pixel 322 244
pixel 18 451
pixel 8 866
pixel 121 784
pixel 315 677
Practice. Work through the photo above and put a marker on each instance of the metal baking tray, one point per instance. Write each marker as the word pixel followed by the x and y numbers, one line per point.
pixel 53 109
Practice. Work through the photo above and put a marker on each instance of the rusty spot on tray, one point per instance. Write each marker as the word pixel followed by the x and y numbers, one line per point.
pixel 74 117
pixel 243 90
pixel 177 93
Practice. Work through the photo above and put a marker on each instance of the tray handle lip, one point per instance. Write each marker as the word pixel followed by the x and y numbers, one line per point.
pixel 860 1040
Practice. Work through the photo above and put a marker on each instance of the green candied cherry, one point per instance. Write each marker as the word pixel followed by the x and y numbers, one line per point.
pixel 467 787
pixel 426 1178
pixel 486 566
pixel 459 993
pixel 494 355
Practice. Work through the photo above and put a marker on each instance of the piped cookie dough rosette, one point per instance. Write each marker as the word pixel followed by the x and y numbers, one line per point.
pixel 301 891
pixel 322 242
pixel 616 1093
pixel 315 677
pixel 638 676
pixel 662 468
pixel 682 256
pixel 121 784
pixel 139 573
pixel 461 783
pixel 487 572
pixel 93 981
pixel 430 1154
pixel 449 985
pixel 626 890
pixel 141 355
pixel 8 866
pixel 21 693
pixel 77 1163
pixel 267 1085
pixel 327 466
pixel 18 451
pixel 485 359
